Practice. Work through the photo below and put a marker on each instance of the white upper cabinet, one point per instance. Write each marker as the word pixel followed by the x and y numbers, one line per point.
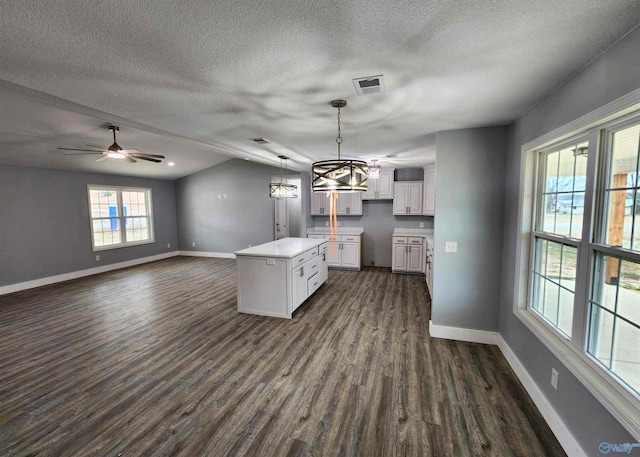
pixel 407 198
pixel 380 188
pixel 429 203
pixel 348 204
pixel 317 203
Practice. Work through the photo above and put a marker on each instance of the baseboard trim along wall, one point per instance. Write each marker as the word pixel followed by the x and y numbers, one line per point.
pixel 219 255
pixel 82 273
pixel 558 427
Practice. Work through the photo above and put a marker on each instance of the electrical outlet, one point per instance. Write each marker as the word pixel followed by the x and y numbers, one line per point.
pixel 250 245
pixel 450 246
pixel 554 378
pixel 168 245
pixel 421 224
pixel 326 224
pixel 97 258
pixel 193 245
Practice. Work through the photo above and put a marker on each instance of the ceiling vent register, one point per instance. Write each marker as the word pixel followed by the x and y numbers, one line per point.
pixel 369 85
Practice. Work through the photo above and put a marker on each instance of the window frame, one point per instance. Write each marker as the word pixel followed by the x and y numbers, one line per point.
pixel 616 397
pixel 121 217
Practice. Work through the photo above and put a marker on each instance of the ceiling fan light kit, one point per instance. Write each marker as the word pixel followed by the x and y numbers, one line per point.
pixel 115 151
pixel 339 175
pixel 282 189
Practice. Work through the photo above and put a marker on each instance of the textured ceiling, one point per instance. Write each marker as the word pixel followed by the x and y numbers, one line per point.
pixel 223 72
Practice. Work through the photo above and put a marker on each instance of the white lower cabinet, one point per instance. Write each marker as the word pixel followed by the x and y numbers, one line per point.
pixel 408 254
pixel 299 281
pixel 347 251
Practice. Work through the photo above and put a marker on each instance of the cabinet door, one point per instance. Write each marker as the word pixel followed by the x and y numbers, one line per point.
pixel 429 203
pixel 415 198
pixel 400 198
pixel 399 257
pixel 324 267
pixel 372 188
pixel 351 255
pixel 299 286
pixel 334 259
pixel 317 203
pixel 343 204
pixel 355 204
pixel 385 185
pixel 414 261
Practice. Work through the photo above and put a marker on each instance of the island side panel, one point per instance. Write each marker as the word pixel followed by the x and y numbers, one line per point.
pixel 262 286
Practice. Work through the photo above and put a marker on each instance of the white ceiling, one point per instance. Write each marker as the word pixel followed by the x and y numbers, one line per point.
pixel 195 80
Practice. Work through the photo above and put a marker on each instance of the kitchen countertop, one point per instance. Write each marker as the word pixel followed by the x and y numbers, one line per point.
pixel 341 231
pixel 286 248
pixel 426 233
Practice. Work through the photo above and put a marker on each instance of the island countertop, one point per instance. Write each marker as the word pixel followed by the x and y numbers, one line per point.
pixel 286 248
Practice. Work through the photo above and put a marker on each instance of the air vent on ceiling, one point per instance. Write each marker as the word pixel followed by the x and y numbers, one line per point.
pixel 369 85
pixel 392 156
pixel 261 140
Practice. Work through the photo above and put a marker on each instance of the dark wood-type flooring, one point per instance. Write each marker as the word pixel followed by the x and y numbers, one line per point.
pixel 155 361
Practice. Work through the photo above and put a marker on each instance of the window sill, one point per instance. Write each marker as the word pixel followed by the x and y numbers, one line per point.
pixel 620 402
pixel 123 245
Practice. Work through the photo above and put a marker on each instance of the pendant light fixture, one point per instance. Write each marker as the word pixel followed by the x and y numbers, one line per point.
pixel 339 175
pixel 282 189
pixel 374 170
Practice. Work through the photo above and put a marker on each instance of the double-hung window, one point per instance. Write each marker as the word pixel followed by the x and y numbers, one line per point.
pixel 584 251
pixel 120 216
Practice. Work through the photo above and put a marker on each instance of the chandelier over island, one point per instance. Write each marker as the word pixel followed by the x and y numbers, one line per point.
pixel 339 175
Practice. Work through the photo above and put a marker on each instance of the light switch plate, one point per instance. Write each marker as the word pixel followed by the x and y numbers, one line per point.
pixel 450 246
pixel 421 224
pixel 271 262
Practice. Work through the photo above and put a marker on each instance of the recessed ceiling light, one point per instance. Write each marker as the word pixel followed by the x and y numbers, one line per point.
pixel 171 164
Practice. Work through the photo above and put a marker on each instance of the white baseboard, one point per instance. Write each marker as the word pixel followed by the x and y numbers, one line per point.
pixel 219 255
pixel 558 427
pixel 82 273
pixel 463 334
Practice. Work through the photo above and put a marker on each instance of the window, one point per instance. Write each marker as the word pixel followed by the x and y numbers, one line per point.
pixel 120 217
pixel 581 291
pixel 558 231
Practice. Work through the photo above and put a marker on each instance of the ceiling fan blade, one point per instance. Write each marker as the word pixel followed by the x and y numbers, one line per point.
pixel 155 156
pixel 84 154
pixel 99 159
pixel 129 159
pixel 85 150
pixel 94 146
pixel 148 159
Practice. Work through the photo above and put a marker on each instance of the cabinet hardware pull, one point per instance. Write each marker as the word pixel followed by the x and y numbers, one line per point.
pixel 301 272
pixel 314 266
pixel 300 260
pixel 324 257
pixel 315 283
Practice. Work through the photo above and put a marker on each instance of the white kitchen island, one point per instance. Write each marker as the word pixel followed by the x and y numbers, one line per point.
pixel 275 278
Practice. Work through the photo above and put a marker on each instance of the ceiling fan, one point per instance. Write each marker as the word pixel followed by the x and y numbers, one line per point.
pixel 115 151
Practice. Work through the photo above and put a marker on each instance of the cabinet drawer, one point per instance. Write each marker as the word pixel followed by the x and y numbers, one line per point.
pixel 324 248
pixel 304 257
pixel 314 265
pixel 316 237
pixel 354 238
pixel 313 283
pixel 415 240
pixel 400 240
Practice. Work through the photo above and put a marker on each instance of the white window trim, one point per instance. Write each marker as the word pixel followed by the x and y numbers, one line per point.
pixel 621 402
pixel 151 240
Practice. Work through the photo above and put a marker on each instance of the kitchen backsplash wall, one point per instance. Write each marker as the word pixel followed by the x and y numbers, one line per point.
pixel 378 222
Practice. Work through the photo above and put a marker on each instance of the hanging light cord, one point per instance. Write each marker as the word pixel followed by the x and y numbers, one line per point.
pixel 333 196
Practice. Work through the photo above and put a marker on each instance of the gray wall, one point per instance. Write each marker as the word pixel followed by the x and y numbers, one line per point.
pixel 378 222
pixel 215 224
pixel 469 205
pixel 44 222
pixel 612 75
